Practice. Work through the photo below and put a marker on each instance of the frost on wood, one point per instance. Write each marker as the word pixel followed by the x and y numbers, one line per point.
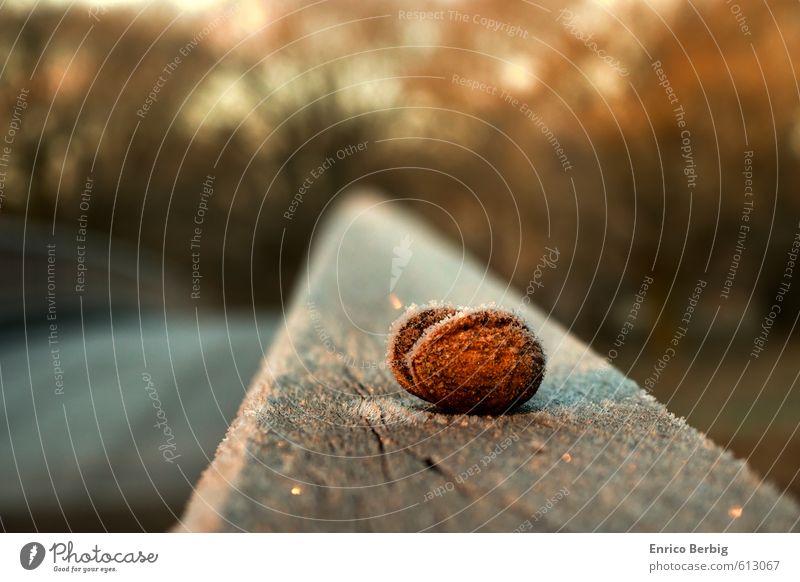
pixel 326 440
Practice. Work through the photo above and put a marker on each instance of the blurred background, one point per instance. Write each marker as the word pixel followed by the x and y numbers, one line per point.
pixel 163 165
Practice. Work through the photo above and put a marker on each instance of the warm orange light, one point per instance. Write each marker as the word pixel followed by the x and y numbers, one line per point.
pixel 735 512
pixel 296 490
pixel 566 457
pixel 395 301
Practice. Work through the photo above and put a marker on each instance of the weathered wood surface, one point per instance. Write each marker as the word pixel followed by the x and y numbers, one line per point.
pixel 326 440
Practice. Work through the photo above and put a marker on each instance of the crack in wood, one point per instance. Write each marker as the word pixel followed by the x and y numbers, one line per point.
pixel 365 396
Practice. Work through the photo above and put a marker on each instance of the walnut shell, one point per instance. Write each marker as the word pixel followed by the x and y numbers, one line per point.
pixel 482 360
pixel 406 330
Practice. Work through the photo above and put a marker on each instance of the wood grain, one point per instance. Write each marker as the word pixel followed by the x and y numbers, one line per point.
pixel 326 440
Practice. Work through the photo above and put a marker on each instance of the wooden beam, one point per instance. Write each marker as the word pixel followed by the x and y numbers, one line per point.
pixel 327 441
